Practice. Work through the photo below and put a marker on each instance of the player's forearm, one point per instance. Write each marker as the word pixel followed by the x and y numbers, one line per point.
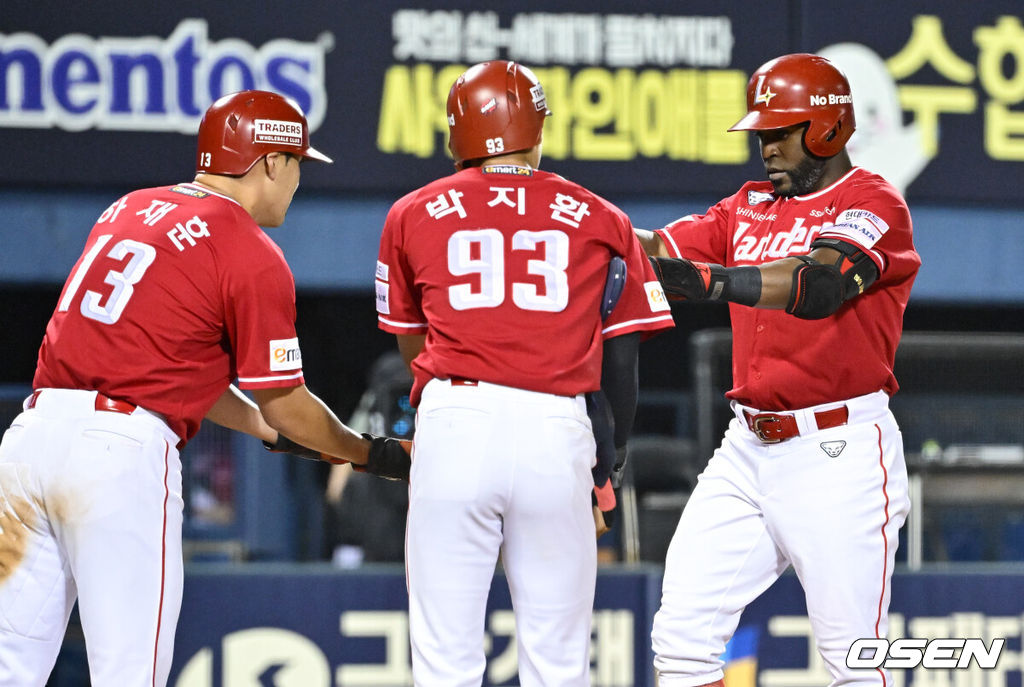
pixel 306 420
pixel 652 243
pixel 235 411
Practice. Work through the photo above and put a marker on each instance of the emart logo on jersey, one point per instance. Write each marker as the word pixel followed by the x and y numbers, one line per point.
pixel 285 355
pixel 935 654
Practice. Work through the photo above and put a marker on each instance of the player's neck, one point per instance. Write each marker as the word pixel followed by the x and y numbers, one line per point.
pixel 836 167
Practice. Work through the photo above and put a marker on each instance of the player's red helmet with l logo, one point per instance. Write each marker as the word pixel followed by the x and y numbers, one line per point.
pixel 240 128
pixel 494 108
pixel 799 88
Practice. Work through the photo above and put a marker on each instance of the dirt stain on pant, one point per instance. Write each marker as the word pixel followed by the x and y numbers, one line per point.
pixel 15 522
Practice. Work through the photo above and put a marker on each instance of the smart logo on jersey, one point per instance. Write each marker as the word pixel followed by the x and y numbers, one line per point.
pixel 285 355
pixel 150 83
pixel 187 191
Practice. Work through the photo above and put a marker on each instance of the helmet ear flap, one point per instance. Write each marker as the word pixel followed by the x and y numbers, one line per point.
pixel 823 140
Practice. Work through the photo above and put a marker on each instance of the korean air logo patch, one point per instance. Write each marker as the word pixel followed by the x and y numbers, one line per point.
pixel 656 297
pixel 382 271
pixel 383 306
pixel 862 227
pixel 285 355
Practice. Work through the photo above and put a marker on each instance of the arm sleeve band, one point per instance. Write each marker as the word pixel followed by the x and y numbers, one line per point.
pixel 619 382
pixel 735 284
pixel 858 271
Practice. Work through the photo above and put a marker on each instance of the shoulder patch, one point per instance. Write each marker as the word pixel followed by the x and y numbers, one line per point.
pixel 862 227
pixel 285 355
pixel 656 297
pixel 189 191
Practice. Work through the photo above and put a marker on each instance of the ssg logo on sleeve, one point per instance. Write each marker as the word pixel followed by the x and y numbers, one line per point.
pixel 285 355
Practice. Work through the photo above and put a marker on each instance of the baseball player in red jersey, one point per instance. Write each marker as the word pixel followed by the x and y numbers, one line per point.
pixel 492 279
pixel 178 292
pixel 817 265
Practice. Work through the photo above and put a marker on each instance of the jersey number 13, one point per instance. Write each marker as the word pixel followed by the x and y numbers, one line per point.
pixel 123 281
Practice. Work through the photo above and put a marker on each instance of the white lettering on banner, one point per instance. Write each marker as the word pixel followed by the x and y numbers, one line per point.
pixel 247 655
pixel 617 40
pixel 393 626
pixel 910 652
pixel 149 83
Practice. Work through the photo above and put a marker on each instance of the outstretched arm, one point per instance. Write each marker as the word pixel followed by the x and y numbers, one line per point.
pixel 811 286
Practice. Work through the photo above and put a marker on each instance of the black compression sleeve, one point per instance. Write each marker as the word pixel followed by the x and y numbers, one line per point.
pixel 619 382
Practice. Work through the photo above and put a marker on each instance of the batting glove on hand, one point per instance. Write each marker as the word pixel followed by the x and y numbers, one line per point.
pixel 682 279
pixel 389 458
pixel 286 445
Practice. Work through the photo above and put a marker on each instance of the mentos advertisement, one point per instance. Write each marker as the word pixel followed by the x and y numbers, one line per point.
pixel 641 95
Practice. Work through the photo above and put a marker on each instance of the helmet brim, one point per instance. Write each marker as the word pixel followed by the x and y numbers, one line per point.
pixel 312 153
pixel 757 120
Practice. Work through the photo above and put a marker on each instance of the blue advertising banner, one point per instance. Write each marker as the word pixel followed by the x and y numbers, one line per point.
pixel 318 627
pixel 323 628
pixel 641 95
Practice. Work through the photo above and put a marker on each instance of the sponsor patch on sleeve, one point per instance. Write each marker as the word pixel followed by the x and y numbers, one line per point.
pixel 383 306
pixel 656 296
pixel 382 271
pixel 285 355
pixel 861 227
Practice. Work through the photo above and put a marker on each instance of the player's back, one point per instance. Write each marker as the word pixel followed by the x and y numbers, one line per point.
pixel 142 314
pixel 507 266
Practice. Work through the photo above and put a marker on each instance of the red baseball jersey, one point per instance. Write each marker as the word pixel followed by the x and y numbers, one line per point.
pixel 782 362
pixel 178 293
pixel 503 268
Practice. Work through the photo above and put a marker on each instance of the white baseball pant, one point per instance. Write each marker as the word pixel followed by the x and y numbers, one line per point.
pixel 759 508
pixel 91 507
pixel 498 469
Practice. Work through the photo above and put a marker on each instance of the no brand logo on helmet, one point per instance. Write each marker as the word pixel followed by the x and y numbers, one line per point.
pixel 277 131
pixel 832 99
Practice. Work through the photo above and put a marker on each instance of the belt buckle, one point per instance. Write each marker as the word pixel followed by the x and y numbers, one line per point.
pixel 759 431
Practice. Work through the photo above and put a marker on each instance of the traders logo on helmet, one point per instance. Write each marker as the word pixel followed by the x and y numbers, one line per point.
pixel 540 101
pixel 277 131
pixel 764 96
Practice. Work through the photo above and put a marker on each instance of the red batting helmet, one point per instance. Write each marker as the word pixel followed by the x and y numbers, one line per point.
pixel 241 128
pixel 493 108
pixel 799 88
